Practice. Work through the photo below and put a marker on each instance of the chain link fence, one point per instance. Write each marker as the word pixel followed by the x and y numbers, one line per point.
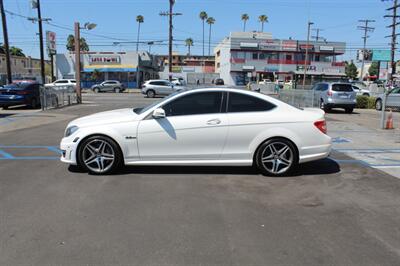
pixel 57 96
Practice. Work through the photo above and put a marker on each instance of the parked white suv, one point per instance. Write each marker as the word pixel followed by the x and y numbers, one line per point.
pixel 62 82
pixel 151 88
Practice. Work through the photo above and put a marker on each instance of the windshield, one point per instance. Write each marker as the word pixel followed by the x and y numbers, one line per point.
pixel 142 110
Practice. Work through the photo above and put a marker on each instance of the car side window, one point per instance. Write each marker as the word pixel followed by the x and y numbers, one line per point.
pixel 316 87
pixel 325 87
pixel 165 83
pixel 195 104
pixel 238 102
pixel 61 82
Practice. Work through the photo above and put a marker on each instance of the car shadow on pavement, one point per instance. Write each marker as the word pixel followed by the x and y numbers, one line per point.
pixel 320 167
pixel 339 111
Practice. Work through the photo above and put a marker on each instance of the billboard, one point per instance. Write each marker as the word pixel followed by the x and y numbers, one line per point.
pixel 381 55
pixel 365 55
pixel 51 42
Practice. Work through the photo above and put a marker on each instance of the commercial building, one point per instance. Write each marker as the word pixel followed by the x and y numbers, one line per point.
pixel 192 68
pixel 21 68
pixel 126 67
pixel 245 56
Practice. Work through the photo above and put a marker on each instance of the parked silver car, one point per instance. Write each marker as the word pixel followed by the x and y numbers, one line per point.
pixel 392 100
pixel 109 85
pixel 335 95
pixel 153 88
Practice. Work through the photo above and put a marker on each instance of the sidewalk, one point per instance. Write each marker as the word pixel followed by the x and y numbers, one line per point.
pixel 358 136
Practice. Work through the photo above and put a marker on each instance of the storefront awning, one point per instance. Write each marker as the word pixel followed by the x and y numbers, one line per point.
pixel 110 68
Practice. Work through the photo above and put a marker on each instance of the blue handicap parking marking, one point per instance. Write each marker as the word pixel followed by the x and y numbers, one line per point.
pixel 340 140
pixel 5 154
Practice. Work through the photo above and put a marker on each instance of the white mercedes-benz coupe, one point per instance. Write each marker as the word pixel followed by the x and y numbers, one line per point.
pixel 212 126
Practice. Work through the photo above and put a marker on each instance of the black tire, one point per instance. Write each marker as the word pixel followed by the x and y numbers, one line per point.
pixel 117 163
pixel 151 94
pixel 34 103
pixel 349 110
pixel 5 107
pixel 96 90
pixel 378 105
pixel 117 90
pixel 323 106
pixel 290 155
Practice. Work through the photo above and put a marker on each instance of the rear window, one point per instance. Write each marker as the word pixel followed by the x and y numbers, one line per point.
pixel 342 87
pixel 244 103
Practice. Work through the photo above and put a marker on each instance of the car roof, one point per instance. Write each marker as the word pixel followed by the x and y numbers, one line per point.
pixel 112 80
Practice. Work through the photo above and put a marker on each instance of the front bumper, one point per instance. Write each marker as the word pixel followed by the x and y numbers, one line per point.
pixel 68 148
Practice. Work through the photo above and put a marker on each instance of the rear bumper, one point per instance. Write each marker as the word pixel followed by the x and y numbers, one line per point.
pixel 12 102
pixel 340 105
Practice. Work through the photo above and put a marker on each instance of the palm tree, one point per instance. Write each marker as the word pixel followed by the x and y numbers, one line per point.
pixel 203 16
pixel 189 43
pixel 245 18
pixel 210 21
pixel 139 20
pixel 262 19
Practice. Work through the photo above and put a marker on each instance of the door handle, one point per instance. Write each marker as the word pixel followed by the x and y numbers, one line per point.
pixel 214 122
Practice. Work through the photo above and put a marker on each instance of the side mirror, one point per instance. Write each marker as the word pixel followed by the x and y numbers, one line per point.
pixel 159 113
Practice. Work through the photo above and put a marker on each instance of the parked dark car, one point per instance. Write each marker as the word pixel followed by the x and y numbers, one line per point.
pixel 23 93
pixel 109 85
pixel 219 82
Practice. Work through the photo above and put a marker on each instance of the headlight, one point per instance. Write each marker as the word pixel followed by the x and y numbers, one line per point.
pixel 70 130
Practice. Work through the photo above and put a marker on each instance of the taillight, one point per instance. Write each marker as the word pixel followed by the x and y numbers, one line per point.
pixel 22 92
pixel 321 125
pixel 330 93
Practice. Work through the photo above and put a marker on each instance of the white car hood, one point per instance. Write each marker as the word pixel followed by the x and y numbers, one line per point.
pixel 103 118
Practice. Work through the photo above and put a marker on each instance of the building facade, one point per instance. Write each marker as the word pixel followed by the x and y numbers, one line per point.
pixel 254 56
pixel 126 67
pixel 22 68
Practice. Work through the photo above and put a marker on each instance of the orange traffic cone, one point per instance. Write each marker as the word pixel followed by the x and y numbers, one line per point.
pixel 389 121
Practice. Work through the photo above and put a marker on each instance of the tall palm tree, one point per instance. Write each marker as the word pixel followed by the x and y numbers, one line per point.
pixel 189 43
pixel 203 16
pixel 245 18
pixel 210 21
pixel 139 20
pixel 262 19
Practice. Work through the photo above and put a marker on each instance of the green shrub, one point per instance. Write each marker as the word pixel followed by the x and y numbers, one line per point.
pixel 362 102
pixel 371 102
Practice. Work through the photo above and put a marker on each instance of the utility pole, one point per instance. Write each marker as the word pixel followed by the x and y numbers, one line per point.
pixel 6 46
pixel 393 36
pixel 78 62
pixel 42 75
pixel 317 36
pixel 170 14
pixel 307 48
pixel 366 29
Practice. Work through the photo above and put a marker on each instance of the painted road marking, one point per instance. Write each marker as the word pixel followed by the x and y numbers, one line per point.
pixel 340 140
pixel 9 156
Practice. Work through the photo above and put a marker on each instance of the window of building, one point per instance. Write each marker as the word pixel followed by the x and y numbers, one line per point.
pixel 289 57
pixel 255 56
pixel 195 104
pixel 218 65
pixel 263 56
pixel 244 103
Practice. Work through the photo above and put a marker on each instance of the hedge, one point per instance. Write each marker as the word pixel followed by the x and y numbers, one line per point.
pixel 365 102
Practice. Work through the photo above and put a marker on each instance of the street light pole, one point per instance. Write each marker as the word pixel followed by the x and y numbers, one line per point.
pixel 307 47
pixel 6 46
pixel 78 63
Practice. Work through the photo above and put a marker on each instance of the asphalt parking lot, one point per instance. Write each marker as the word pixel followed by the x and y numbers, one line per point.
pixel 331 212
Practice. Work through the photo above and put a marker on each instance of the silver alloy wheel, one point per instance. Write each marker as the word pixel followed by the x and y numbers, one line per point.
pixel 98 155
pixel 277 157
pixel 150 94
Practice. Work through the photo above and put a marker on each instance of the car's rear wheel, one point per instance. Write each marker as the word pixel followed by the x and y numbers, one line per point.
pixel 117 90
pixel 151 94
pixel 348 110
pixel 33 104
pixel 99 155
pixel 323 106
pixel 378 105
pixel 276 157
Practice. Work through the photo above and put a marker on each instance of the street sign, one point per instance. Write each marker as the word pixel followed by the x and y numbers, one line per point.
pixel 381 55
pixel 51 42
pixel 365 55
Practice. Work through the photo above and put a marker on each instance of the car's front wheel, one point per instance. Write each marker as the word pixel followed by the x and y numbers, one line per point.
pixel 150 94
pixel 96 90
pixel 117 90
pixel 99 155
pixel 276 157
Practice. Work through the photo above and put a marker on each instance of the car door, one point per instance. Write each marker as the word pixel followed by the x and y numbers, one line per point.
pixel 393 99
pixel 247 116
pixel 166 87
pixel 195 128
pixel 106 86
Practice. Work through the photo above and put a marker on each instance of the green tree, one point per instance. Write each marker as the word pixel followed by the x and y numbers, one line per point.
pixel 96 75
pixel 139 20
pixel 262 19
pixel 210 21
pixel 351 70
pixel 373 69
pixel 203 16
pixel 71 44
pixel 245 18
pixel 189 43
pixel 13 51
